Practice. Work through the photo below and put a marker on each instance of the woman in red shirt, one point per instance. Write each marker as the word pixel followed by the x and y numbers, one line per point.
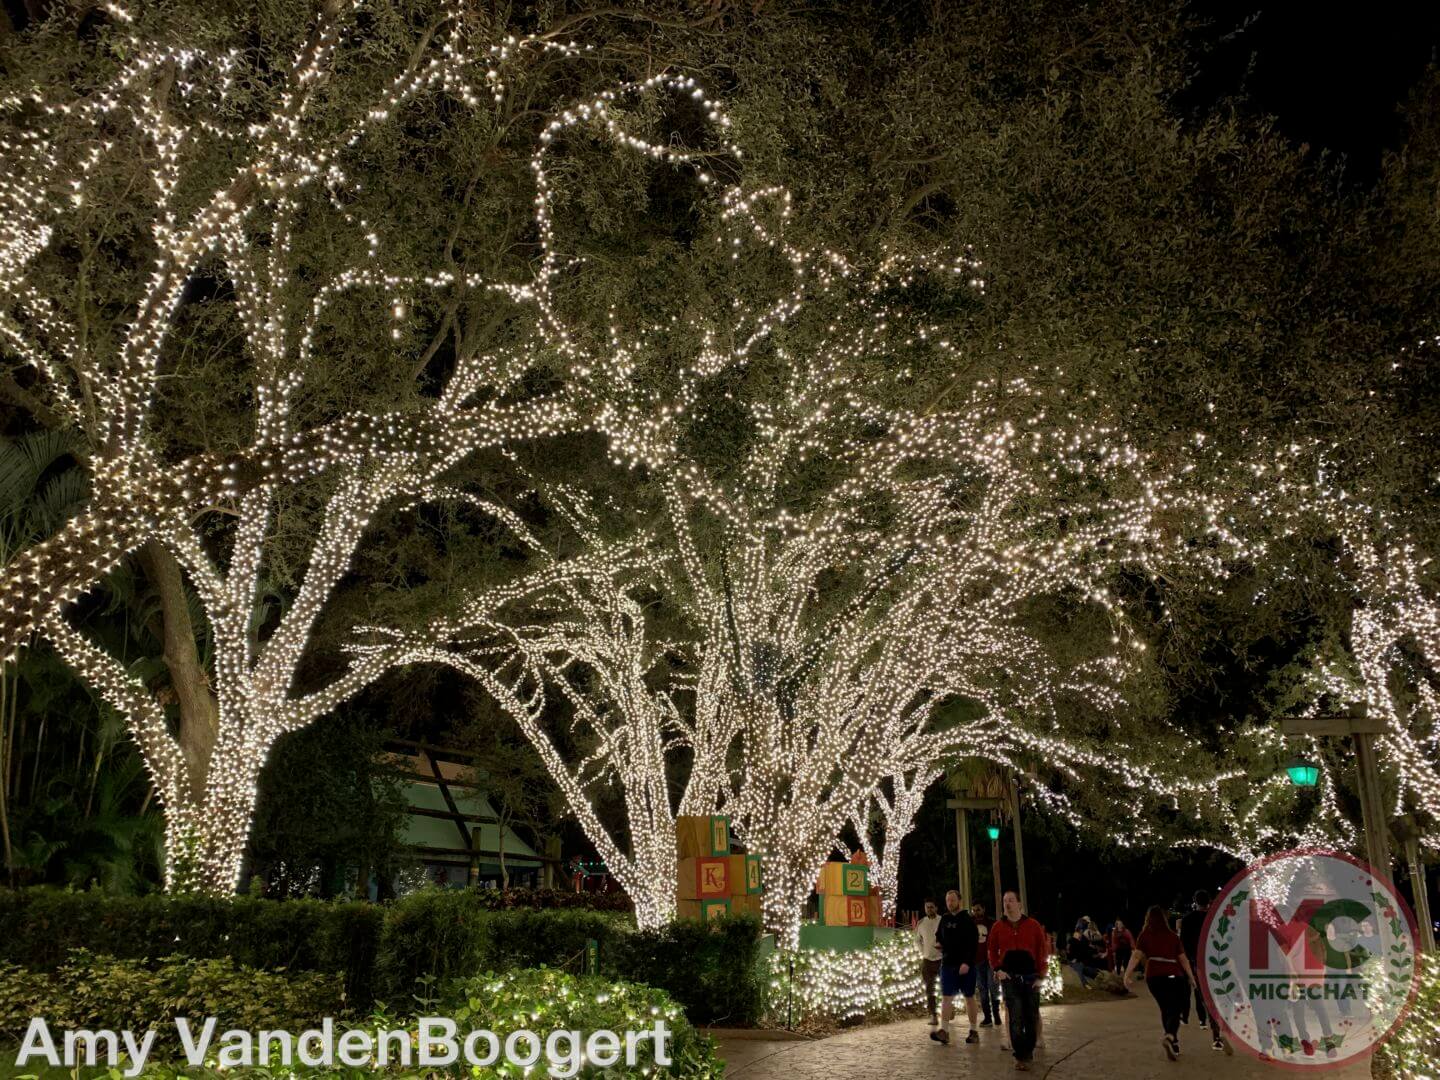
pixel 1122 944
pixel 1168 974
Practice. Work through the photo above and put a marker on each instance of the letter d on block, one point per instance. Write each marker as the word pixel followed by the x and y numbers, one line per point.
pixel 438 1030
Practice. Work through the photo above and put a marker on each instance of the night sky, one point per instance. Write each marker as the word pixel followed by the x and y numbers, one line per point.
pixel 1332 76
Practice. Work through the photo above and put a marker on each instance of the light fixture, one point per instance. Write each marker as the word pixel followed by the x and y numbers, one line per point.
pixel 993 831
pixel 1302 772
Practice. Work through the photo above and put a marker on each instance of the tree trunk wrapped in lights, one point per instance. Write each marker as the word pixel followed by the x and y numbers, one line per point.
pixel 882 822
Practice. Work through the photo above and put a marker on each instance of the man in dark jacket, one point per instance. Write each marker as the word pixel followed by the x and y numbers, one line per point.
pixel 958 940
pixel 1192 928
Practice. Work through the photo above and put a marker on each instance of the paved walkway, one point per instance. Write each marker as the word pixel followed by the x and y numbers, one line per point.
pixel 1105 1040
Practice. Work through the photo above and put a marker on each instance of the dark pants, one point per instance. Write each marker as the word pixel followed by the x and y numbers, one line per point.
pixel 1085 971
pixel 988 987
pixel 1022 1000
pixel 1122 959
pixel 1172 994
pixel 929 972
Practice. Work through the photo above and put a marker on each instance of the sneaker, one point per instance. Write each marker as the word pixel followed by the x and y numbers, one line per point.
pixel 940 1035
pixel 973 1037
pixel 934 1021
pixel 1171 1050
pixel 1221 1043
pixel 987 1023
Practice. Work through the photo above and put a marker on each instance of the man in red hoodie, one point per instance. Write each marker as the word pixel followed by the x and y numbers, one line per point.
pixel 1019 951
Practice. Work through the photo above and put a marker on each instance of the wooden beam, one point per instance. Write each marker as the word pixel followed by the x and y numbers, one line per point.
pixel 962 843
pixel 425 811
pixel 1372 807
pixel 1019 843
pixel 428 778
pixel 1331 725
pixel 974 804
pixel 421 850
pixel 455 813
pixel 432 748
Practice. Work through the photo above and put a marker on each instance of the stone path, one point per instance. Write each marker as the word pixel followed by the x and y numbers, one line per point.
pixel 1107 1040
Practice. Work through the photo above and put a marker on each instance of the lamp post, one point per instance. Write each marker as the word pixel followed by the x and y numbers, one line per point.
pixel 993 831
pixel 962 808
pixel 1410 836
pixel 1362 731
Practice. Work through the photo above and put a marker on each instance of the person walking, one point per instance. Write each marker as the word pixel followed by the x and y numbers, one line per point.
pixel 1168 974
pixel 1082 955
pixel 1019 951
pixel 925 941
pixel 958 940
pixel 1122 944
pixel 987 986
pixel 1192 928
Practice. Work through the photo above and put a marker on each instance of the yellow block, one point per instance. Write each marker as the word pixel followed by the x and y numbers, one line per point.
pixel 845 911
pixel 748 905
pixel 702 835
pixel 702 910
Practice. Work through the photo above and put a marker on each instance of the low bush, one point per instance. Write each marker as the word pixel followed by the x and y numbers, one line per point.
pixel 1414 1049
pixel 447 933
pixel 40 928
pixel 94 991
pixel 554 898
pixel 713 969
pixel 544 1001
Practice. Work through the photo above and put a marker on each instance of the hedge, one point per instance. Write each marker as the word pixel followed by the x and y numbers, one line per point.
pixel 93 992
pixel 39 928
pixel 380 951
pixel 450 933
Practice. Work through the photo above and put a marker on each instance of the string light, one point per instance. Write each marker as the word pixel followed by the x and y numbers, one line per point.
pixel 50 151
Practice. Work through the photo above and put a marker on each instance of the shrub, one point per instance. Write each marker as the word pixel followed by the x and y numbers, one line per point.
pixel 554 898
pixel 713 969
pixel 1415 1047
pixel 39 928
pixel 824 985
pixel 546 1001
pixel 93 991
pixel 447 934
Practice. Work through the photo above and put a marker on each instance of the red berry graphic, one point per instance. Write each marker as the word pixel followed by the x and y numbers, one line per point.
pixel 1308 1047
